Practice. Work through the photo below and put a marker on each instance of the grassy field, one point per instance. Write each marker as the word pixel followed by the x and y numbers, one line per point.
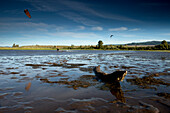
pixel 20 48
pixel 40 48
pixel 28 48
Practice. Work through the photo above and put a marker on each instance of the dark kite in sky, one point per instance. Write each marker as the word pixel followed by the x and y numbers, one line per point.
pixel 27 13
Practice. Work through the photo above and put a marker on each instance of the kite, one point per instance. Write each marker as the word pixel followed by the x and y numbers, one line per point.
pixel 111 36
pixel 27 13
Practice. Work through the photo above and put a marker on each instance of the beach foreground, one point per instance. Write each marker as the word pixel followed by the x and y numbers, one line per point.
pixel 49 81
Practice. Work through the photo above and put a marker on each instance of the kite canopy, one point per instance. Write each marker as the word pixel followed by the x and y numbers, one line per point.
pixel 27 13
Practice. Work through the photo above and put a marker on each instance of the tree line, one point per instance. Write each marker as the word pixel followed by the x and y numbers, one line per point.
pixel 15 45
pixel 163 46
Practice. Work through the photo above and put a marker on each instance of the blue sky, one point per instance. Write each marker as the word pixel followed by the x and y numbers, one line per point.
pixel 83 22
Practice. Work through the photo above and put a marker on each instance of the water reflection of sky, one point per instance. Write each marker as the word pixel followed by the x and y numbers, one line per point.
pixel 15 74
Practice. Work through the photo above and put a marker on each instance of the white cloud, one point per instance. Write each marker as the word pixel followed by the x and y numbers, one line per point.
pixel 135 29
pixel 97 28
pixel 168 34
pixel 118 29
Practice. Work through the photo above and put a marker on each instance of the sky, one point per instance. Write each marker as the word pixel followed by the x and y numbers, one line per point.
pixel 83 22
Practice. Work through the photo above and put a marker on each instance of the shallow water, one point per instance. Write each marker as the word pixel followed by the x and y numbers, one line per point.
pixel 50 81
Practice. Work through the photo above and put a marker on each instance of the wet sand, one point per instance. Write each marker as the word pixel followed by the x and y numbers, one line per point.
pixel 66 83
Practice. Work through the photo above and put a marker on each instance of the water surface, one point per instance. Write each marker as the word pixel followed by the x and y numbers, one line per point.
pixel 50 81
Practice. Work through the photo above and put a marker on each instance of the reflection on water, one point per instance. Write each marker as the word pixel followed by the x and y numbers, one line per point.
pixel 50 52
pixel 30 78
pixel 115 89
pixel 27 86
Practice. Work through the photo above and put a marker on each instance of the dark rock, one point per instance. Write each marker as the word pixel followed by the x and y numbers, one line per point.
pixel 165 95
pixel 112 77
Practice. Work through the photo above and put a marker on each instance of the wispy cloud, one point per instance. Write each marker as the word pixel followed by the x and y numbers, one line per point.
pixel 42 30
pixel 118 29
pixel 124 29
pixel 81 27
pixel 78 35
pixel 49 6
pixel 98 28
pixel 9 19
pixel 127 35
pixel 27 24
pixel 168 34
pixel 13 11
pixel 135 29
pixel 59 28
pixel 79 7
pixel 79 19
pixel 28 27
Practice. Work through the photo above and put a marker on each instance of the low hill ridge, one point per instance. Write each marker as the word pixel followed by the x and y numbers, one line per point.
pixel 146 43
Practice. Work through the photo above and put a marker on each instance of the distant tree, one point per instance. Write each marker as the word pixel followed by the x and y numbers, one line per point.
pixel 165 44
pixel 13 45
pixel 72 46
pixel 85 47
pixel 120 46
pixel 91 47
pixel 16 45
pixel 80 46
pixel 105 47
pixel 100 44
pixel 54 47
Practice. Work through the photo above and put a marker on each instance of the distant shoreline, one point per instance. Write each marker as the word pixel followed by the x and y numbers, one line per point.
pixel 20 48
pixel 10 48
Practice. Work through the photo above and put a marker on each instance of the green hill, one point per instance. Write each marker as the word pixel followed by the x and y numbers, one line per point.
pixel 146 43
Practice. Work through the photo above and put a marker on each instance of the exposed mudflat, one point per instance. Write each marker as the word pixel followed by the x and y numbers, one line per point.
pixel 49 81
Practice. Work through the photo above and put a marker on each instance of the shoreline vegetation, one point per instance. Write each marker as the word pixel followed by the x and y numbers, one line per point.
pixel 164 47
pixel 29 48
